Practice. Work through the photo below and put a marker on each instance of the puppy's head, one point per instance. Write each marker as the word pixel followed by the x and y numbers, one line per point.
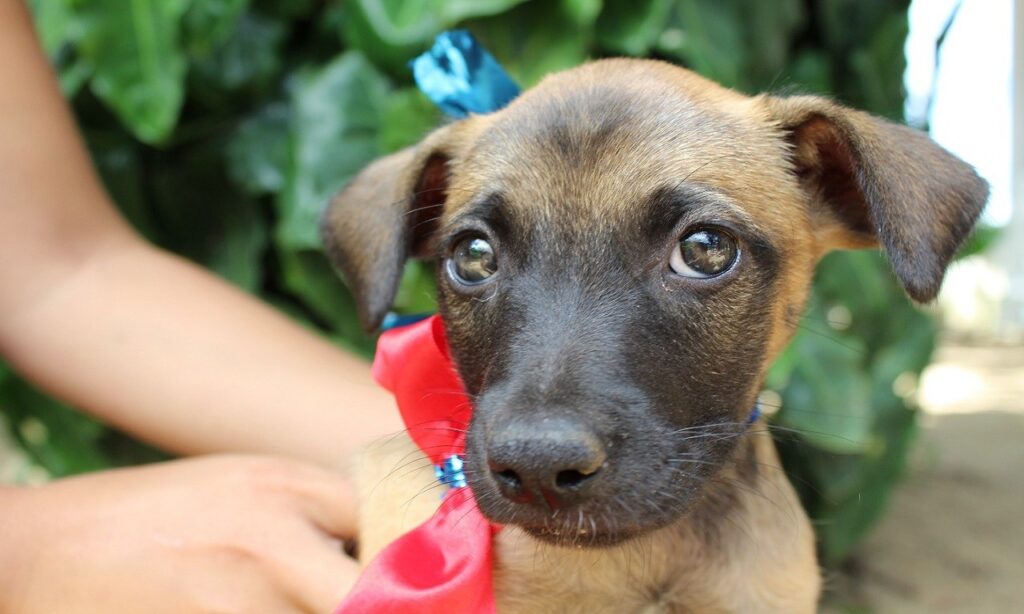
pixel 621 253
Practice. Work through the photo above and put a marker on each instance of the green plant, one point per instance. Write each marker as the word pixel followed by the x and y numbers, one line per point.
pixel 221 128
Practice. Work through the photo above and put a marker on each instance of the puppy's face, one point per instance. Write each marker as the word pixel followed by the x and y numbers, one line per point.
pixel 621 253
pixel 614 260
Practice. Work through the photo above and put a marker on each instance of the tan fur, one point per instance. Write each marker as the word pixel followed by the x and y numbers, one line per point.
pixel 747 546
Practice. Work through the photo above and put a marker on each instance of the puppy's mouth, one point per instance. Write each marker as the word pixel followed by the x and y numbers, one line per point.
pixel 581 534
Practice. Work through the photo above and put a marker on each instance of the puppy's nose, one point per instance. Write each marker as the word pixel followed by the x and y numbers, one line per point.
pixel 549 465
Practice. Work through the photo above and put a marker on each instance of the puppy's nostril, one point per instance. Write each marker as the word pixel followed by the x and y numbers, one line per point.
pixel 509 479
pixel 510 484
pixel 571 478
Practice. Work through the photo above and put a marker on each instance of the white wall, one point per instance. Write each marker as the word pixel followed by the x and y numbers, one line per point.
pixel 978 114
pixel 1010 253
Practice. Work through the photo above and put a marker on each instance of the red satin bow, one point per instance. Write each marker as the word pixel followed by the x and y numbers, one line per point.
pixel 443 565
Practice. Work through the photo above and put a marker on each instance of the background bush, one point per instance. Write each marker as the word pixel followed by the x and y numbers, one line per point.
pixel 221 127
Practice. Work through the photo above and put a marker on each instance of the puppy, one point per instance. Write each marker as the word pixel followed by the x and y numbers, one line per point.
pixel 622 252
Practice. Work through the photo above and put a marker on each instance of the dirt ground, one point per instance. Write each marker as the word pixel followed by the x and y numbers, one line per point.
pixel 953 538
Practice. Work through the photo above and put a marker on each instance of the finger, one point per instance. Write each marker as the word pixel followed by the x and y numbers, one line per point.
pixel 318 574
pixel 330 500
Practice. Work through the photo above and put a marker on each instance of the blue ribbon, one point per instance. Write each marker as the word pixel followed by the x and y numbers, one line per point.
pixel 451 472
pixel 461 77
pixel 394 320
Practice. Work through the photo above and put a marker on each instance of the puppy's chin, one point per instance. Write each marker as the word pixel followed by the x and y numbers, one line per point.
pixel 594 525
pixel 574 537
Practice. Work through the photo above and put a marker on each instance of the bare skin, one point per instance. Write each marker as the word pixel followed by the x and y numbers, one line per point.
pixel 216 534
pixel 162 349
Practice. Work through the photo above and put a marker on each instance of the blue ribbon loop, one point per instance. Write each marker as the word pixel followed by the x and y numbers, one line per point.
pixel 451 472
pixel 461 77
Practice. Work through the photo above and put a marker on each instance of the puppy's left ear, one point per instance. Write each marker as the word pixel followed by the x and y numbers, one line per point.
pixel 876 182
pixel 387 214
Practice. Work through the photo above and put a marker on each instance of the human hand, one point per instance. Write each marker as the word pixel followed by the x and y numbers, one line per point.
pixel 215 534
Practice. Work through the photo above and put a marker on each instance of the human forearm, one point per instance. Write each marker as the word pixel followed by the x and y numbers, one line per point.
pixel 8 500
pixel 154 345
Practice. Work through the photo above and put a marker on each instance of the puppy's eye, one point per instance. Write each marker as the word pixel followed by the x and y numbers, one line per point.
pixel 704 253
pixel 472 261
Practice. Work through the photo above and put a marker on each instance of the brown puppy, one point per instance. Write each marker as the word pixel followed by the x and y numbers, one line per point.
pixel 622 253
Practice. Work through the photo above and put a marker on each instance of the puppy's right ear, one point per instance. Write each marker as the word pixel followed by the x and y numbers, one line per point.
pixel 385 215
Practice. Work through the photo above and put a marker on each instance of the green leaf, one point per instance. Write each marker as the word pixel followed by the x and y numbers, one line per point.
pixel 258 152
pixel 62 441
pixel 769 29
pixel 708 36
pixel 207 22
pixel 288 10
pixel 118 159
pixel 844 23
pixel 533 40
pixel 828 396
pixel 781 369
pixel 204 218
pixel 121 450
pixel 139 66
pixel 630 27
pixel 316 286
pixel 60 30
pixel 417 292
pixel 249 56
pixel 406 118
pixel 859 280
pixel 54 23
pixel 391 32
pixel 73 75
pixel 583 12
pixel 983 238
pixel 335 124
pixel 908 354
pixel 309 276
pixel 850 517
pixel 810 73
pixel 878 69
pixel 740 44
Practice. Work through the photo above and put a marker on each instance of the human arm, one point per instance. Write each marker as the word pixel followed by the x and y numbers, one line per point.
pixel 213 534
pixel 138 337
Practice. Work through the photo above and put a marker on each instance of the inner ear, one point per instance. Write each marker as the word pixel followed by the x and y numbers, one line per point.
pixel 826 166
pixel 428 200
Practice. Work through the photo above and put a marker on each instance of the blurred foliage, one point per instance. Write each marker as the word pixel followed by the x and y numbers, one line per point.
pixel 221 127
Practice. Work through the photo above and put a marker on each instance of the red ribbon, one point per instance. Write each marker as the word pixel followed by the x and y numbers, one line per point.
pixel 443 565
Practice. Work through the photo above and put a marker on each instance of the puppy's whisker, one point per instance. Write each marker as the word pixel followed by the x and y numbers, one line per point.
pixel 422 491
pixel 825 335
pixel 447 429
pixel 408 468
pixel 425 222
